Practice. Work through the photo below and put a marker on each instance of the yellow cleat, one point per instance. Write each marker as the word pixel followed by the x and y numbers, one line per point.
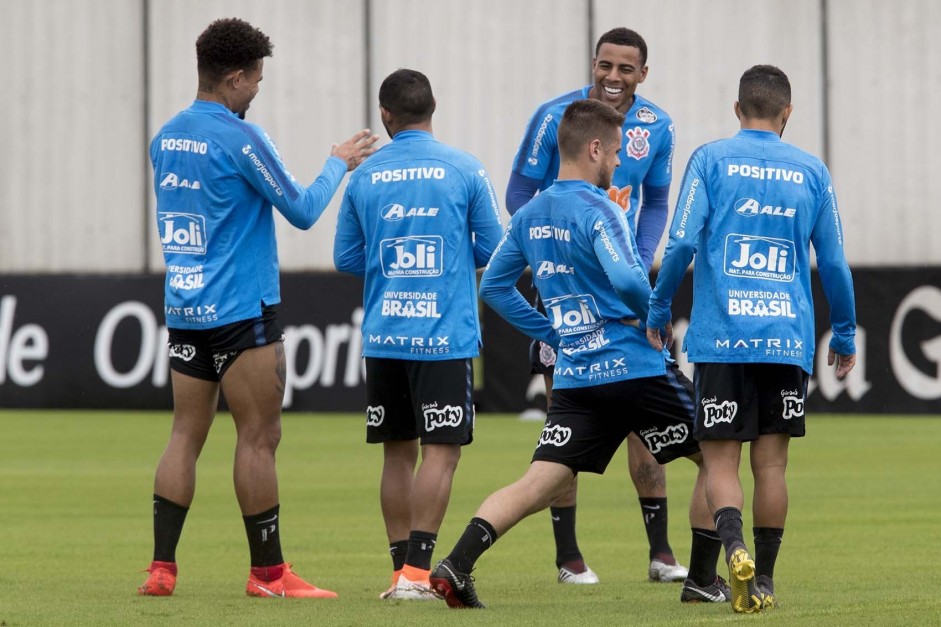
pixel 746 597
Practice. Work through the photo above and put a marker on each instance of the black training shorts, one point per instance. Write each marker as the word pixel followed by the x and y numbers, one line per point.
pixel 431 400
pixel 207 353
pixel 585 426
pixel 743 401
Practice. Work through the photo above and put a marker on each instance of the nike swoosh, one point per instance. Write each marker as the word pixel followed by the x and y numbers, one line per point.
pixel 264 522
pixel 650 506
pixel 555 518
pixel 715 598
pixel 457 581
pixel 267 591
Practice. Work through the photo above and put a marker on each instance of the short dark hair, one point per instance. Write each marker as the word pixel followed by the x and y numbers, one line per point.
pixel 624 37
pixel 406 94
pixel 763 92
pixel 230 44
pixel 585 121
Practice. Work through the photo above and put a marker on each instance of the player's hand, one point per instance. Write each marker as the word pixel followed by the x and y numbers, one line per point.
pixel 844 363
pixel 659 338
pixel 355 150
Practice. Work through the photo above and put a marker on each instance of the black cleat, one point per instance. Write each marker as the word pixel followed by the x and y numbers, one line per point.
pixel 716 592
pixel 457 589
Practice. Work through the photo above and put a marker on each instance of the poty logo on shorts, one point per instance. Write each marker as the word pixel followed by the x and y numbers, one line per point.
pixel 658 440
pixel 186 352
pixel 756 257
pixel 375 415
pixel 555 435
pixel 447 416
pixel 413 256
pixel 718 412
pixel 793 404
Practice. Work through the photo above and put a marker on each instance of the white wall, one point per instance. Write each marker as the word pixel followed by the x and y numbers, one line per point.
pixel 72 179
pixel 75 192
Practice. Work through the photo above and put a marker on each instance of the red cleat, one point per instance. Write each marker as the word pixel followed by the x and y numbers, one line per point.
pixel 162 580
pixel 289 585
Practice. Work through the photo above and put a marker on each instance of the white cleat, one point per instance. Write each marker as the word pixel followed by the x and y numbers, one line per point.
pixel 586 577
pixel 411 591
pixel 667 573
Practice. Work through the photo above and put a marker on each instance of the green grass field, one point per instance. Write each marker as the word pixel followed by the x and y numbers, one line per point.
pixel 862 546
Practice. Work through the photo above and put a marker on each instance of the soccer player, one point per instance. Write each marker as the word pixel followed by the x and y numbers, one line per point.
pixel 749 208
pixel 620 64
pixel 608 381
pixel 216 178
pixel 417 219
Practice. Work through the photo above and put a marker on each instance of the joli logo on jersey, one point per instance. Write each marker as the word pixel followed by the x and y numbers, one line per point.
pixel 755 257
pixel 183 233
pixel 573 314
pixel 414 256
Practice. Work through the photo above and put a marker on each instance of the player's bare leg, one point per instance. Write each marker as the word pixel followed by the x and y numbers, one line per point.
pixel 254 389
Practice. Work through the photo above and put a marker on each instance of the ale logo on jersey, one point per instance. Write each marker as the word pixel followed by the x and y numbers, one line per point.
pixel 547 269
pixel 395 212
pixel 182 233
pixel 171 182
pixel 757 257
pixel 749 207
pixel 638 146
pixel 573 313
pixel 412 256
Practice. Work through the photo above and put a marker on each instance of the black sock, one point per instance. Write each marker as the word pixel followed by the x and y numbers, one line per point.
pixel 729 527
pixel 703 555
pixel 264 538
pixel 420 546
pixel 477 538
pixel 398 551
pixel 655 522
pixel 563 527
pixel 168 525
pixel 767 542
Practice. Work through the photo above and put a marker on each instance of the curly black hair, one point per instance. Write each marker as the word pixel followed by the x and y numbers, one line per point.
pixel 624 37
pixel 230 44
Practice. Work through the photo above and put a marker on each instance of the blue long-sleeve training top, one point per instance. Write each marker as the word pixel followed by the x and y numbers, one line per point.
pixel 589 276
pixel 417 219
pixel 749 208
pixel 216 178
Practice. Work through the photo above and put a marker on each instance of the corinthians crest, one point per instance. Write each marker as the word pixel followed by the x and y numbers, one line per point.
pixel 637 145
